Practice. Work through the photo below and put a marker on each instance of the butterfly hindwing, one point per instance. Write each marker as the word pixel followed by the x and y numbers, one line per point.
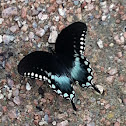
pixel 47 67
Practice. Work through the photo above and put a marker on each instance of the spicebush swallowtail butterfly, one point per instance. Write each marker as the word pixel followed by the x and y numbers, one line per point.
pixel 63 67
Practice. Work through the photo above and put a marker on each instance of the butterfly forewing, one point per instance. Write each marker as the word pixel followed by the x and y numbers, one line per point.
pixel 71 41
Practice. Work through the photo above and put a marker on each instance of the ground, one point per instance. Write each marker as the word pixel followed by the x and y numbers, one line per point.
pixel 26 25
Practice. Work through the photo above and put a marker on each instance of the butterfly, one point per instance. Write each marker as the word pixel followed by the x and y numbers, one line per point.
pixel 64 66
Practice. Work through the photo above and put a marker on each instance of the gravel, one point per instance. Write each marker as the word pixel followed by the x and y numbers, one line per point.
pixel 29 25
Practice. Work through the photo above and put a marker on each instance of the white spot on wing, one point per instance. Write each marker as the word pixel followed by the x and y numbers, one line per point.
pixel 89 78
pixel 36 75
pixel 71 96
pixel 89 70
pixel 65 95
pixel 82 38
pixel 32 74
pixel 81 47
pixel 58 91
pixel 53 86
pixel 86 62
pixel 40 76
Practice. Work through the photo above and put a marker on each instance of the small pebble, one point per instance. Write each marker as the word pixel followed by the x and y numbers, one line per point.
pixel 24 27
pixel 117 124
pixel 53 37
pixel 76 2
pixel 16 92
pixel 14 28
pixel 43 123
pixel 31 35
pixel 124 101
pixel 62 12
pixel 12 114
pixel 16 100
pixel 40 32
pixel 91 124
pixel 28 87
pixel 1 96
pixel 110 79
pixel 42 16
pixel 1 38
pixel 63 123
pixel 100 43
pixel 113 71
pixel 7 38
pixel 9 12
pixel 1 20
pixel 54 123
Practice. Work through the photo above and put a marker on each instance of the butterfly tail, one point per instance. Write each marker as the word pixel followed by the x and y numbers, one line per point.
pixel 96 89
pixel 73 105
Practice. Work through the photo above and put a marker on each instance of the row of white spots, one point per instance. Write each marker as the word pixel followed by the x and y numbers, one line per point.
pixel 37 76
pixel 53 86
pixel 82 43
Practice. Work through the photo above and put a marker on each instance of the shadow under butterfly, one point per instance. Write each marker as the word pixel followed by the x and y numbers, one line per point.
pixel 63 67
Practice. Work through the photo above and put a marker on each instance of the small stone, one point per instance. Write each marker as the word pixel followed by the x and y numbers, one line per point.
pixel 124 101
pixel 14 28
pixel 53 37
pixel 107 106
pixel 124 35
pixel 112 71
pixel 40 32
pixel 118 21
pixel 29 108
pixel 62 116
pixel 1 38
pixel 28 87
pixel 9 12
pixel 1 20
pixel 8 38
pixel 76 2
pixel 117 124
pixel 91 124
pixel 110 79
pixel 31 35
pixel 42 16
pixel 1 96
pixel 63 123
pixel 24 27
pixel 16 92
pixel 119 54
pixel 42 123
pixel 100 44
pixel 16 100
pixel 34 25
pixel 51 9
pixel 54 123
pixel 12 114
pixel 104 17
pixel 24 12
pixel 62 12
pixel 10 82
pixel 46 117
pixel 111 44
pixel 110 115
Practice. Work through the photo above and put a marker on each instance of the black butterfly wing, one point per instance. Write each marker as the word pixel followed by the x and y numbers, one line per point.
pixel 70 44
pixel 71 40
pixel 48 67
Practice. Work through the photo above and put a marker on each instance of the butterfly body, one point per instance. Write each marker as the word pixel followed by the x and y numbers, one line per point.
pixel 62 68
